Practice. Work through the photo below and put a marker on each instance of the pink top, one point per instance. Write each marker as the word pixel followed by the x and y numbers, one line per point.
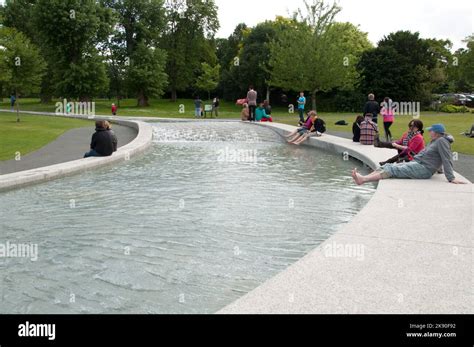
pixel 388 115
pixel 309 123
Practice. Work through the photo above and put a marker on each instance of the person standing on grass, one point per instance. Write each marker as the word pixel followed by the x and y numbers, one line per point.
pixel 215 107
pixel 368 131
pixel 252 102
pixel 12 101
pixel 436 156
pixel 301 107
pixel 388 118
pixel 197 107
pixel 114 109
pixel 373 108
pixel 244 115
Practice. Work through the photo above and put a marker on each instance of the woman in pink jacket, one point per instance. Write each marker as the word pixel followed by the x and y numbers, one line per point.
pixel 411 143
pixel 388 118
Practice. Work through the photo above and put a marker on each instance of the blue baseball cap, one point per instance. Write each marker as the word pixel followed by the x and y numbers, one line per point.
pixel 438 128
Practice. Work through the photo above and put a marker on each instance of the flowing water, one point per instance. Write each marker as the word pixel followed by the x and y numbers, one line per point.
pixel 211 212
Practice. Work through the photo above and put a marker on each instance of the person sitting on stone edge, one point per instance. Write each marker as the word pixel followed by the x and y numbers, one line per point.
pixel 428 162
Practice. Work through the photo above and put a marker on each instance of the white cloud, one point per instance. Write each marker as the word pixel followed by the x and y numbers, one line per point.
pixel 443 19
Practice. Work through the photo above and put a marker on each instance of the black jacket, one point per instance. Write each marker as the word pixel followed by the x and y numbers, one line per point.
pixel 356 132
pixel 103 142
pixel 372 107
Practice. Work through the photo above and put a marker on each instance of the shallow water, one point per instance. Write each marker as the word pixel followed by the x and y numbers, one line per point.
pixel 212 211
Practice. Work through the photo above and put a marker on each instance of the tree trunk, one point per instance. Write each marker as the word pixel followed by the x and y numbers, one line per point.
pixel 313 99
pixel 174 95
pixel 268 93
pixel 46 98
pixel 143 100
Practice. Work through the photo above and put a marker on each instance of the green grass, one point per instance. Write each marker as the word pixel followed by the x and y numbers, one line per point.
pixel 31 133
pixel 455 123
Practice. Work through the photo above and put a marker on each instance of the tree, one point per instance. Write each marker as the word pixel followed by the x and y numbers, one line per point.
pixel 188 40
pixel 403 66
pixel 461 68
pixel 228 55
pixel 73 31
pixel 18 15
pixel 316 54
pixel 21 64
pixel 209 79
pixel 146 73
pixel 136 62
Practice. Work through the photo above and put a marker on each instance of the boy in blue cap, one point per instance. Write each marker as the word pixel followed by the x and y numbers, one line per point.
pixel 437 155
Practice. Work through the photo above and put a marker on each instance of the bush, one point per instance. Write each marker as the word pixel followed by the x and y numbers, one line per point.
pixel 448 108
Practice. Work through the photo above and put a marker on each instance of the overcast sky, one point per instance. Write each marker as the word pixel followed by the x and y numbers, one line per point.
pixel 446 19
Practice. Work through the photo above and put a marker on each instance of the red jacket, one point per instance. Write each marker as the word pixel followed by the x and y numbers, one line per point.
pixel 415 146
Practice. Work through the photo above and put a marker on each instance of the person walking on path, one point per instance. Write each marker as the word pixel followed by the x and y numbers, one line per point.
pixel 436 156
pixel 252 102
pixel 301 107
pixel 388 118
pixel 373 108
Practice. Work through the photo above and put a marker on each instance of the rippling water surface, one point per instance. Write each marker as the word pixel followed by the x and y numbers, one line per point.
pixel 211 212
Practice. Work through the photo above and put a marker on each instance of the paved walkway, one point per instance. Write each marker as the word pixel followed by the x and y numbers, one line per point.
pixel 68 147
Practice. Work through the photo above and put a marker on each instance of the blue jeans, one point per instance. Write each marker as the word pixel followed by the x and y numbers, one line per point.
pixel 411 170
pixel 92 153
pixel 301 112
pixel 197 112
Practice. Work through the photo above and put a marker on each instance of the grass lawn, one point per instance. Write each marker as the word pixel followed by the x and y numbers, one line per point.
pixel 455 123
pixel 31 133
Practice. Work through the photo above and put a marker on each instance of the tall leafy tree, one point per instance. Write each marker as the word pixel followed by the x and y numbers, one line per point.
pixel 461 68
pixel 209 79
pixel 136 61
pixel 188 41
pixel 402 66
pixel 228 55
pixel 21 64
pixel 317 54
pixel 73 32
pixel 19 14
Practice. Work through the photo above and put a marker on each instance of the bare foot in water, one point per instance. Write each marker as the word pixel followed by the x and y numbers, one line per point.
pixel 357 177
